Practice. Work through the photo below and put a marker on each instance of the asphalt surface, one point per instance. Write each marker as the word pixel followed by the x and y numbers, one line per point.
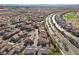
pixel 59 38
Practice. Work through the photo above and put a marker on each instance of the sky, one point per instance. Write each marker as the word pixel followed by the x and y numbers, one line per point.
pixel 39 2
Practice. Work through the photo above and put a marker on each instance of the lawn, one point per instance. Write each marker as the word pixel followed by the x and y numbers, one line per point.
pixel 70 16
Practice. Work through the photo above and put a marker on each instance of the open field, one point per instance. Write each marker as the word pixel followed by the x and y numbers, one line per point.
pixel 72 15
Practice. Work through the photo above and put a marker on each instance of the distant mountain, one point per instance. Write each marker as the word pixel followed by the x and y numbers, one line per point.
pixel 41 5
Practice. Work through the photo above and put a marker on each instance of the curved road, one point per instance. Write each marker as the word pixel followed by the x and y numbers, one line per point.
pixel 63 43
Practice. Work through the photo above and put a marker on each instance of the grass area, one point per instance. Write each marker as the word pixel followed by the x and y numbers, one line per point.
pixel 54 51
pixel 70 15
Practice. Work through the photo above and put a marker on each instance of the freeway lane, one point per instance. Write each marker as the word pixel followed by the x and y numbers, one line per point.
pixel 66 39
pixel 51 33
pixel 59 37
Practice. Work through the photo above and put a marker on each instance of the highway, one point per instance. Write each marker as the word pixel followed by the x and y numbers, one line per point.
pixel 63 43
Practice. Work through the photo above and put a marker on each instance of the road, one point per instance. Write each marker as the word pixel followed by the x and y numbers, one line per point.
pixel 62 41
pixel 36 38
